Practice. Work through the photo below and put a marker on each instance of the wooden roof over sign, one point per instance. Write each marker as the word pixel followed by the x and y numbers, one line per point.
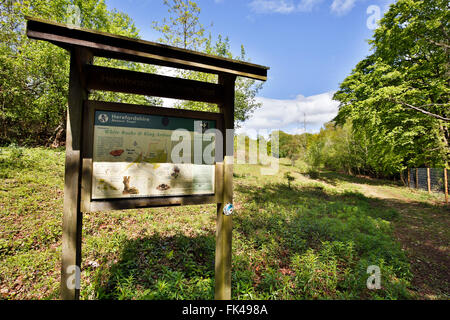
pixel 108 45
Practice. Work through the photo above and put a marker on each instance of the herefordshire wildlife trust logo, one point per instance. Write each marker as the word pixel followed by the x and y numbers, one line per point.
pixel 103 118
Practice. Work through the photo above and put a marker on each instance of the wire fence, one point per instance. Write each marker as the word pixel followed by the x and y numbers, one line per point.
pixel 430 179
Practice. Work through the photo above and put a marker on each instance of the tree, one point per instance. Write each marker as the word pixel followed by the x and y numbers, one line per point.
pixel 294 148
pixel 284 143
pixel 34 74
pixel 398 97
pixel 420 32
pixel 338 148
pixel 185 30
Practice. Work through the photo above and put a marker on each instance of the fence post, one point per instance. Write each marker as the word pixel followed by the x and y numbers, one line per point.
pixel 428 180
pixel 446 185
pixel 409 178
pixel 417 178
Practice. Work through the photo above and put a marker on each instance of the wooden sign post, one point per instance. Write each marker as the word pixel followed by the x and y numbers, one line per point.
pixel 224 222
pixel 72 216
pixel 80 179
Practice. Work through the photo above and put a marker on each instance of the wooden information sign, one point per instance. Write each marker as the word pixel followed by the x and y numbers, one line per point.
pixel 122 156
pixel 128 156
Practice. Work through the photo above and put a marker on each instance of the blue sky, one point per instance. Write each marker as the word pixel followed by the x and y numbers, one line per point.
pixel 309 45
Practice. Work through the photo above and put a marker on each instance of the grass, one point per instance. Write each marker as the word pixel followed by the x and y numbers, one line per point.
pixel 313 239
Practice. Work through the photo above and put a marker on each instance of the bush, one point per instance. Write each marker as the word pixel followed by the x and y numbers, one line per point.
pixel 289 177
pixel 313 173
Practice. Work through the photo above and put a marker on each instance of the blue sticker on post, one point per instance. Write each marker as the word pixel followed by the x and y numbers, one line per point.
pixel 228 209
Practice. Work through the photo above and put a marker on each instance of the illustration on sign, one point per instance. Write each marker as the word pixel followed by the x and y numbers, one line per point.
pixel 132 157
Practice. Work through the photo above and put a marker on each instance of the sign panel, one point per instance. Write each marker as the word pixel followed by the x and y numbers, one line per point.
pixel 139 155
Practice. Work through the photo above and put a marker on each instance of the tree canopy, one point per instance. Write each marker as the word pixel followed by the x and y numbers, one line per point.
pixel 398 97
pixel 185 30
pixel 34 74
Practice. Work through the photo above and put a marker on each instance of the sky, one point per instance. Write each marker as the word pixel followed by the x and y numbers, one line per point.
pixel 309 45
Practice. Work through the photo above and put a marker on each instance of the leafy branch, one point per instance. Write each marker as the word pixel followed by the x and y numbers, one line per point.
pixel 420 109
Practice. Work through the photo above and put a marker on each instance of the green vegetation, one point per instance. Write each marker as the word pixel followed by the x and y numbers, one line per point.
pixel 34 74
pixel 313 240
pixel 185 30
pixel 397 99
pixel 394 107
pixel 289 178
pixel 309 232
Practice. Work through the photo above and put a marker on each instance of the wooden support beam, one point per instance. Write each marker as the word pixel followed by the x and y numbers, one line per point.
pixel 150 202
pixel 72 217
pixel 119 80
pixel 224 223
pixel 108 45
pixel 92 105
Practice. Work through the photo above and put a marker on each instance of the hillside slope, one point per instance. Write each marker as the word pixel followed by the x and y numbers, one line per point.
pixel 314 240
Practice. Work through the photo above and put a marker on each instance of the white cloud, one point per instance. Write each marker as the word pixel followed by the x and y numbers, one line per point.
pixel 338 7
pixel 272 6
pixel 290 115
pixel 282 6
pixel 307 5
pixel 341 7
pixel 295 130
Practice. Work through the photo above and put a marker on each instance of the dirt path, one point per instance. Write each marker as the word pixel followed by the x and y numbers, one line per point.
pixel 379 192
pixel 424 234
pixel 423 229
